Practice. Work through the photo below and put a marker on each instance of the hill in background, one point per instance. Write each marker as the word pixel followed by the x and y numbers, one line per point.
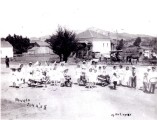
pixel 115 36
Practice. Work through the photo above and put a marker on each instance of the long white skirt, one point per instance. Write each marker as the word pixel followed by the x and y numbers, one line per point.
pixel 126 80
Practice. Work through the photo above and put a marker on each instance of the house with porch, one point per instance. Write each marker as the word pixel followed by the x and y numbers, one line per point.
pixel 101 44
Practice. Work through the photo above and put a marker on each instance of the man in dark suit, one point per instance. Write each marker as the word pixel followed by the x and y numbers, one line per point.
pixel 7 62
pixel 133 78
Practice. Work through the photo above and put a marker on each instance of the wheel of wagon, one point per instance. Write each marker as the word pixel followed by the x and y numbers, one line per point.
pixel 70 84
pixel 62 84
pixel 79 82
pixel 103 84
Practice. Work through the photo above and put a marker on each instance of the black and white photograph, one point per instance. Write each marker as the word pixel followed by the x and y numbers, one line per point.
pixel 78 59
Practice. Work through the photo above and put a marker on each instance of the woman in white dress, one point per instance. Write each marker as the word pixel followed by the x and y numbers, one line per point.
pixel 50 74
pixel 120 74
pixel 95 76
pixel 90 81
pixel 127 75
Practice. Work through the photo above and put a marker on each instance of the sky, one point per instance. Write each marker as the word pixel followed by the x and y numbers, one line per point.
pixel 36 18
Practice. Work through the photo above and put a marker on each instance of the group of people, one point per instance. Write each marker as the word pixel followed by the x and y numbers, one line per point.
pixel 129 77
pixel 85 73
pixel 150 80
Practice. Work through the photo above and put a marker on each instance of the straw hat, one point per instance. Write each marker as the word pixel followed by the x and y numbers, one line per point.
pixel 133 67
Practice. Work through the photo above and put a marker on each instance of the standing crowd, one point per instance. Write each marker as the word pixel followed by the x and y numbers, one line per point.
pixel 84 74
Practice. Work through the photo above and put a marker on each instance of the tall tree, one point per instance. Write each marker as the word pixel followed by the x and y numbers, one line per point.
pixel 137 41
pixel 19 43
pixel 120 45
pixel 63 43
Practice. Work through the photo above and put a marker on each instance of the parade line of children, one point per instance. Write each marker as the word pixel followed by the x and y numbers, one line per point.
pixel 85 74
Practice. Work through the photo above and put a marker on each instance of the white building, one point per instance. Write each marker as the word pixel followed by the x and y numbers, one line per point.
pixel 6 49
pixel 100 43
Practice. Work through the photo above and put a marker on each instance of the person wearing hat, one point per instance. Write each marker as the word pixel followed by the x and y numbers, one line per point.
pixel 114 80
pixel 153 80
pixel 84 62
pixel 30 64
pixel 133 77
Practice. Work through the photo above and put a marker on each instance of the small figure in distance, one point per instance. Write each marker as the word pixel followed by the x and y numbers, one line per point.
pixel 7 61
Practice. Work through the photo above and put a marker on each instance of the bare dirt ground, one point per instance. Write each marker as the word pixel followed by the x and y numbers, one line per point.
pixel 74 103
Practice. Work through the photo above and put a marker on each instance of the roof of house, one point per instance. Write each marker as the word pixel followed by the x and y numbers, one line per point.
pixel 33 49
pixel 146 47
pixel 5 44
pixel 40 43
pixel 37 48
pixel 40 50
pixel 91 34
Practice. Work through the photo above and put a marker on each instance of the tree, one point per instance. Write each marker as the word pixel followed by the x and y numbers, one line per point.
pixel 137 41
pixel 79 48
pixel 120 45
pixel 63 43
pixel 19 43
pixel 153 44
